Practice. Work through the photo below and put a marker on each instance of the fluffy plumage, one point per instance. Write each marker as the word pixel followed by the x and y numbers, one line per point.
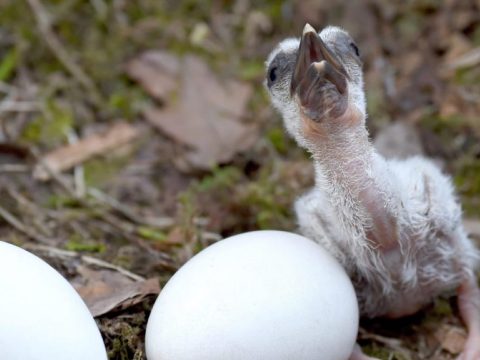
pixel 394 225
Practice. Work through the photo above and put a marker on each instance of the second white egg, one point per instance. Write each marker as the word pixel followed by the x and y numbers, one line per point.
pixel 256 296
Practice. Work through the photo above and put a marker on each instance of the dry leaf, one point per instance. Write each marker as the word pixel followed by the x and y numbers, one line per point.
pixel 207 116
pixel 66 157
pixel 105 290
pixel 156 71
pixel 459 45
pixel 468 59
pixel 451 338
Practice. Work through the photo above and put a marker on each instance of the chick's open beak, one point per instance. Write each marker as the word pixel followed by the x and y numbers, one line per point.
pixel 313 49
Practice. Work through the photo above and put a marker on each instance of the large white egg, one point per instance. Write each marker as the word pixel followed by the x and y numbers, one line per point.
pixel 266 295
pixel 41 316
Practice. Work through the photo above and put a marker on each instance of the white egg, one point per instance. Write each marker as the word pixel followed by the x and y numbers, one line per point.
pixel 41 316
pixel 266 295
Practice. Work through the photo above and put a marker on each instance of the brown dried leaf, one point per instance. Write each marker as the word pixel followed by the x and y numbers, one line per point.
pixel 176 236
pixel 451 338
pixel 66 157
pixel 104 290
pixel 156 71
pixel 468 59
pixel 207 116
pixel 458 46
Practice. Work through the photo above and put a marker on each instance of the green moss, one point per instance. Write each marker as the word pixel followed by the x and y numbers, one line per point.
pixel 220 178
pixel 150 233
pixel 447 128
pixel 127 101
pixel 467 76
pixel 476 36
pixel 50 128
pixel 443 126
pixel 199 10
pixel 100 171
pixel 467 178
pixel 442 308
pixel 188 212
pixel 119 350
pixel 376 106
pixel 275 9
pixel 377 351
pixel 124 261
pixel 467 181
pixel 78 243
pixel 8 64
pixel 409 25
pixel 250 70
pixel 138 355
pixel 61 201
pixel 269 202
pixel 33 131
pixel 277 137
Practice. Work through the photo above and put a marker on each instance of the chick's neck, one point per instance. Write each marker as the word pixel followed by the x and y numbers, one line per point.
pixel 359 186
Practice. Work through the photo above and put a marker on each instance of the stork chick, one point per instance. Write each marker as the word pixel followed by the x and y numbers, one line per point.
pixel 394 225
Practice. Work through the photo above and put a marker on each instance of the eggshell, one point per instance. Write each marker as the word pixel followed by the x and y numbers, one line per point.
pixel 260 295
pixel 41 316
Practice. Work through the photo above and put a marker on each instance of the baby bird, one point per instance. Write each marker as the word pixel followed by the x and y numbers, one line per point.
pixel 394 225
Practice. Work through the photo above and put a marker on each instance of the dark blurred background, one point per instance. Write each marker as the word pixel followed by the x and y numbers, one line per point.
pixel 139 132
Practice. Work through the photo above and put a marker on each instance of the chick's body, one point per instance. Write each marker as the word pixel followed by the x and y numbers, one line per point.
pixel 432 256
pixel 394 225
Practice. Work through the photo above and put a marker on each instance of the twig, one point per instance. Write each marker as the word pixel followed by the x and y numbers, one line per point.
pixel 79 179
pixel 19 106
pixel 100 263
pixel 162 222
pixel 17 224
pixel 123 226
pixel 57 177
pixel 44 25
pixel 89 260
pixel 14 168
pixel 27 203
pixel 210 236
pixel 76 152
pixel 129 230
pixel 33 212
pixel 78 171
pixel 393 343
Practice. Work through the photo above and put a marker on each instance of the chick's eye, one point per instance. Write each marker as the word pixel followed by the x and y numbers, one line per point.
pixel 272 75
pixel 355 49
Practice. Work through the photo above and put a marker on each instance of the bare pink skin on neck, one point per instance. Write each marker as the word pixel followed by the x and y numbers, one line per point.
pixel 346 159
